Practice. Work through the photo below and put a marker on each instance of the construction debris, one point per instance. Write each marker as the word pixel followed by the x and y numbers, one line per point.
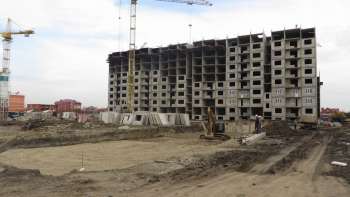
pixel 337 163
pixel 252 139
pixel 146 118
pixel 69 116
pixel 281 128
pixel 45 115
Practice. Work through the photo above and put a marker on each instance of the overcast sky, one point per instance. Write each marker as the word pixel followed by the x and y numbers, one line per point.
pixel 66 58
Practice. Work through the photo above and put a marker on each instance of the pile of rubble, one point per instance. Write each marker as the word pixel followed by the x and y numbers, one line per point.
pixel 280 128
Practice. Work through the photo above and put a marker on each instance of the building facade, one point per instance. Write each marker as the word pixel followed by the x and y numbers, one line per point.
pixel 272 76
pixel 67 105
pixel 16 103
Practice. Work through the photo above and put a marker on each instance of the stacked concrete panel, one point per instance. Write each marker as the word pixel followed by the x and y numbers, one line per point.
pixel 240 77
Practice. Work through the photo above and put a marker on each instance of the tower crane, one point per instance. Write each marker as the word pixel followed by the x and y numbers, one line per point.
pixel 7 36
pixel 132 45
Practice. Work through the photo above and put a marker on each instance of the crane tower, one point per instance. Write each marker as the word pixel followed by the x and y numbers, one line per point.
pixel 132 46
pixel 7 36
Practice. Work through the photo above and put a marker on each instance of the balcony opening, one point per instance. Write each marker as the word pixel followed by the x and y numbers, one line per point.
pixel 256 64
pixel 308 61
pixel 308 71
pixel 256 73
pixel 257 111
pixel 278 110
pixel 257 82
pixel 308 52
pixel 221 111
pixel 308 81
pixel 256 101
pixel 278 72
pixel 308 42
pixel 294 53
pixel 278 44
pixel 278 81
pixel 308 111
pixel 256 46
pixel 256 55
pixel 293 43
pixel 278 53
pixel 256 92
pixel 278 63
pixel 220 101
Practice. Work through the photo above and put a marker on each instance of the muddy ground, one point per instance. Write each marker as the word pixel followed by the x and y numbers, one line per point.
pixel 171 162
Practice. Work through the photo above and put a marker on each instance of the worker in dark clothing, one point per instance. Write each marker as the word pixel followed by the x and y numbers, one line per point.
pixel 256 123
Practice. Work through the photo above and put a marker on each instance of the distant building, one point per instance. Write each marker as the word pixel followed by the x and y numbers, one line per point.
pixel 16 103
pixel 326 113
pixel 90 109
pixel 67 105
pixel 329 110
pixel 40 107
pixel 93 109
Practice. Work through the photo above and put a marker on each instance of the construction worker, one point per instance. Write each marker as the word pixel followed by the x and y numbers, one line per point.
pixel 256 123
pixel 260 124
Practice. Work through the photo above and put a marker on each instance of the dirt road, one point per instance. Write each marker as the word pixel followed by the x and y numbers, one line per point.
pixel 302 179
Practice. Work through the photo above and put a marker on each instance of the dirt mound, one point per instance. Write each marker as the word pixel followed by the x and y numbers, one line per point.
pixel 54 139
pixel 213 164
pixel 52 125
pixel 15 172
pixel 281 128
pixel 11 123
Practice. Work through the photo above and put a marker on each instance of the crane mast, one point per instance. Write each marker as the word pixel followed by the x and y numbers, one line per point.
pixel 5 69
pixel 131 59
pixel 132 46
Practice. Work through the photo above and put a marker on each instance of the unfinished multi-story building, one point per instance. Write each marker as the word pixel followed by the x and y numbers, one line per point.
pixel 275 77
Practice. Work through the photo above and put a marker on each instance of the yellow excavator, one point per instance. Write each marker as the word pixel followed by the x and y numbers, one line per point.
pixel 211 128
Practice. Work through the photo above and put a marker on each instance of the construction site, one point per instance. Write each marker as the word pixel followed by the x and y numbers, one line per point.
pixel 239 117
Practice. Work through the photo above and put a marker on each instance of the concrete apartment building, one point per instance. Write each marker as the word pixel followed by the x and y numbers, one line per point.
pixel 272 76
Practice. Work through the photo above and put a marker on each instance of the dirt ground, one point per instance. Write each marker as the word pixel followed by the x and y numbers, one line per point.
pixel 301 179
pixel 103 155
pixel 170 162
